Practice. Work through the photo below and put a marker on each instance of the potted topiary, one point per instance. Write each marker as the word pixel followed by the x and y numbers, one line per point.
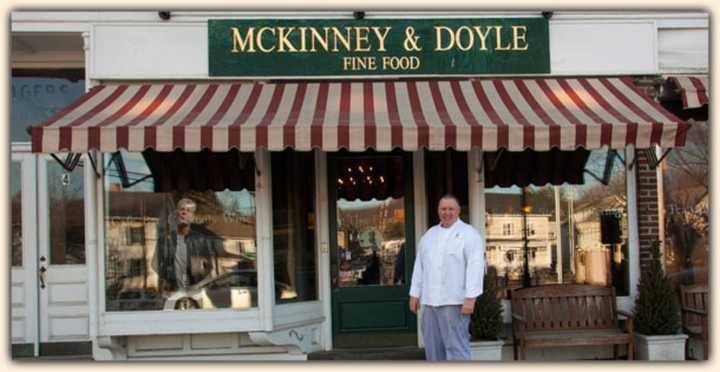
pixel 657 314
pixel 486 322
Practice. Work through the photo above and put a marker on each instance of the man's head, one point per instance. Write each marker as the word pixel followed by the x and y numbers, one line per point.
pixel 186 211
pixel 448 210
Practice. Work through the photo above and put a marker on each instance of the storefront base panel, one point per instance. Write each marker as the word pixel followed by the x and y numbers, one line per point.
pixel 249 357
pixel 225 346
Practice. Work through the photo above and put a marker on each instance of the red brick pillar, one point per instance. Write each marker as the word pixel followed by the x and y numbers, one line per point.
pixel 647 204
pixel 648 199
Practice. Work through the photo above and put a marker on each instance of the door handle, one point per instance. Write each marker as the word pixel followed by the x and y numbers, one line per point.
pixel 43 272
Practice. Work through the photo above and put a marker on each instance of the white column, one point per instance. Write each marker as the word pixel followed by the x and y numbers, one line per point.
pixel 633 233
pixel 476 190
pixel 264 230
pixel 421 210
pixel 558 237
pixel 322 225
pixel 419 195
pixel 661 202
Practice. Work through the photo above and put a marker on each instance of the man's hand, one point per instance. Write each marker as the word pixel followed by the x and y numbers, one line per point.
pixel 414 301
pixel 468 306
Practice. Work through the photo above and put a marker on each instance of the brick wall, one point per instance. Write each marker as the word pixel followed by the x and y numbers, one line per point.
pixel 647 187
pixel 647 204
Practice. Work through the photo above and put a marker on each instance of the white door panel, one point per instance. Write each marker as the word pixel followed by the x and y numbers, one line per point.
pixel 63 287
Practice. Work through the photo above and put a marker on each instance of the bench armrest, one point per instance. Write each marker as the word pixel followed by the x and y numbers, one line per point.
pixel 694 311
pixel 629 321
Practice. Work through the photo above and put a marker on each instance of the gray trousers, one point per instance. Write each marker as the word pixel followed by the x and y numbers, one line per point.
pixel 446 333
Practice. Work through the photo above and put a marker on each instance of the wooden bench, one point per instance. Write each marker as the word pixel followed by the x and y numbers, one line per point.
pixel 694 309
pixel 561 315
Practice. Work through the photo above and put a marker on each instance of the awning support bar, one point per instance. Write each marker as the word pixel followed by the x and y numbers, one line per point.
pixel 71 161
pixel 652 157
pixel 607 171
pixel 94 165
pixel 631 165
pixel 124 179
pixel 497 159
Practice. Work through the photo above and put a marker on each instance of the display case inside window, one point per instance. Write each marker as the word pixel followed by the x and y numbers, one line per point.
pixel 175 244
pixel 571 232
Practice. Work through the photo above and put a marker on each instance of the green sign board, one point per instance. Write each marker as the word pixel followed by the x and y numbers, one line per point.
pixel 285 47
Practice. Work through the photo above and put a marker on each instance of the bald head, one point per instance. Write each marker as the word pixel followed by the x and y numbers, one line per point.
pixel 448 210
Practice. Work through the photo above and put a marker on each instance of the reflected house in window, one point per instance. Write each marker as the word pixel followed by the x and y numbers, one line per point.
pixel 238 241
pixel 595 258
pixel 376 227
pixel 126 245
pixel 505 241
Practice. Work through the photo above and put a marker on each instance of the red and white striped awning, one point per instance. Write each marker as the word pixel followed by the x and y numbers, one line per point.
pixel 694 90
pixel 514 114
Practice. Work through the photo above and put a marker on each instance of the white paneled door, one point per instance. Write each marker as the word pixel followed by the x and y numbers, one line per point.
pixel 49 276
pixel 61 257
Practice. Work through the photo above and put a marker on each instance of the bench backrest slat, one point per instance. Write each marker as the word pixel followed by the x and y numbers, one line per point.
pixel 566 307
pixel 693 296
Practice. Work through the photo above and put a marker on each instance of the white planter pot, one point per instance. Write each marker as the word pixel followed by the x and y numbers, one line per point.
pixel 486 350
pixel 665 347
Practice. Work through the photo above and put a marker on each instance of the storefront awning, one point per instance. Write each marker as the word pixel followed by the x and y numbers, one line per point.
pixel 694 90
pixel 513 114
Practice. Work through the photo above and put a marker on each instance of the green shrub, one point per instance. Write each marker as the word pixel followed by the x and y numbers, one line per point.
pixel 656 307
pixel 486 322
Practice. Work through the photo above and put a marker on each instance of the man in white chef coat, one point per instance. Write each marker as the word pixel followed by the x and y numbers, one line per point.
pixel 447 277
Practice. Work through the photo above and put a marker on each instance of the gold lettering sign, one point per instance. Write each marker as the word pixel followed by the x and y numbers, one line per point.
pixel 401 46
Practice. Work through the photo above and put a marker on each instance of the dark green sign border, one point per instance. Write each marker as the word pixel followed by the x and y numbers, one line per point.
pixel 344 47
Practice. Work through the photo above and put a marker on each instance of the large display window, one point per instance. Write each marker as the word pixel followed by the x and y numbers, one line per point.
pixel 572 232
pixel 180 238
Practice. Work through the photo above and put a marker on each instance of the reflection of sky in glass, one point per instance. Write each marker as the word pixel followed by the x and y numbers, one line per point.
pixel 596 164
pixel 36 99
pixel 136 169
pixel 237 202
pixel 359 204
pixel 504 190
pixel 64 185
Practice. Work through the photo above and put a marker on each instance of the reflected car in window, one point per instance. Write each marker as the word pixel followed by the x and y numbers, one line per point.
pixel 131 299
pixel 235 289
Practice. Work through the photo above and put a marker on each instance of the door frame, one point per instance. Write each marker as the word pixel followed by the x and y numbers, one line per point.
pixel 410 226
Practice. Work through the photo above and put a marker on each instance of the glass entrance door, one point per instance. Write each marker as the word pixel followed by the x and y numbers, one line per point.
pixel 372 249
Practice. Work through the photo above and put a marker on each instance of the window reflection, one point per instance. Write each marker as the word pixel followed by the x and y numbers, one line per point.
pixel 66 214
pixel 37 98
pixel 569 233
pixel 16 212
pixel 370 222
pixel 446 173
pixel 177 250
pixel 687 223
